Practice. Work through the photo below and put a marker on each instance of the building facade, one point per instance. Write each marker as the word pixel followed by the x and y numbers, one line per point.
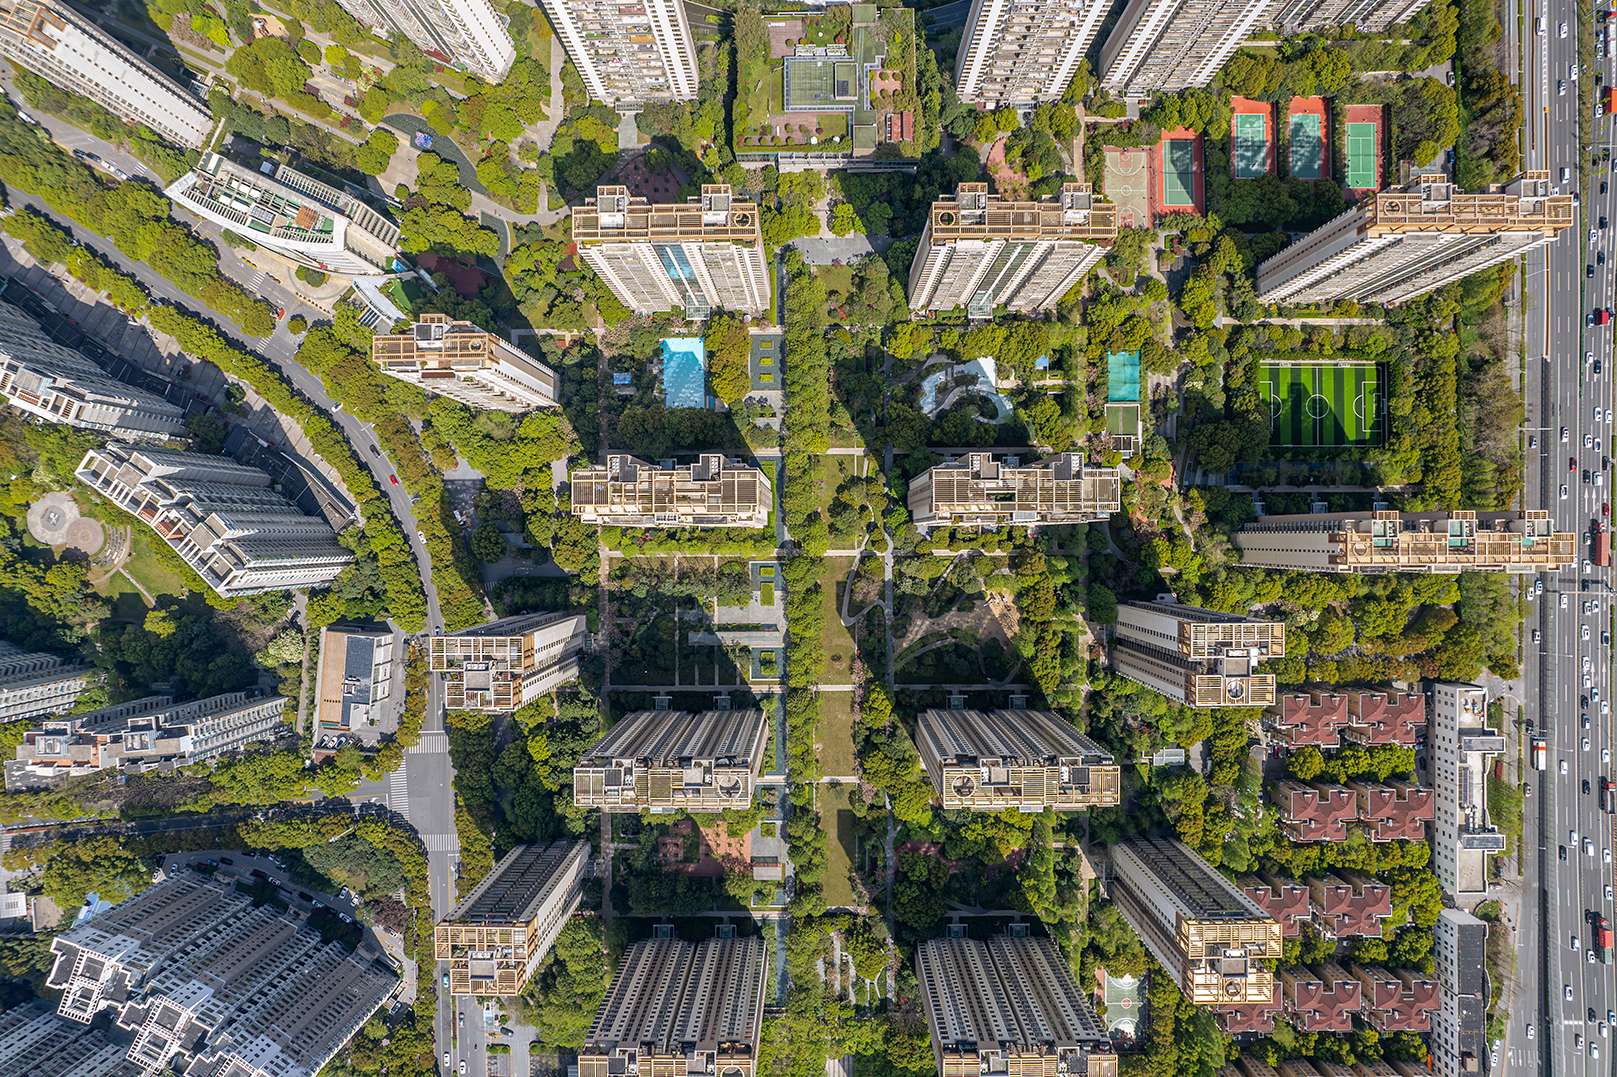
pixel 1459 1038
pixel 1370 16
pixel 196 977
pixel 69 50
pixel 354 679
pixel 667 761
pixel 1013 759
pixel 509 663
pixel 628 54
pixel 1201 658
pixel 497 936
pixel 153 733
pixel 466 363
pixel 701 256
pixel 1386 541
pixel 981 489
pixel 1022 53
pixel 1398 245
pixel 467 34
pixel 1162 46
pixel 711 492
pixel 42 378
pixel 680 1007
pixel 33 1040
pixel 1009 1005
pixel 297 217
pixel 221 517
pixel 981 252
pixel 1212 938
pixel 1461 745
pixel 36 683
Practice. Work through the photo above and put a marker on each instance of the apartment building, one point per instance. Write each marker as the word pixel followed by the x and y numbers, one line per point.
pixel 981 252
pixel 1006 1006
pixel 1212 938
pixel 680 1007
pixel 194 977
pixel 293 215
pixel 1348 904
pixel 221 517
pixel 1322 998
pixel 1397 1000
pixel 69 50
pixel 42 378
pixel 1461 745
pixel 500 932
pixel 711 492
pixel 36 683
pixel 1284 900
pixel 1197 657
pixel 147 734
pixel 982 489
pixel 668 761
pixel 1398 245
pixel 1387 541
pixel 1385 717
pixel 1369 16
pixel 354 679
pixel 509 663
pixel 34 1041
pixel 1162 46
pixel 1315 718
pixel 1315 811
pixel 705 255
pixel 1019 53
pixel 467 363
pixel 1013 759
pixel 1397 810
pixel 628 54
pixel 1459 1038
pixel 469 35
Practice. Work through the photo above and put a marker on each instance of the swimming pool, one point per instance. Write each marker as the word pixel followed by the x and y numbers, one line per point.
pixel 684 372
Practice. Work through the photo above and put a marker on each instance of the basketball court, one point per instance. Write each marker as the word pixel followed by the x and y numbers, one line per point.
pixel 1325 406
pixel 1125 1007
pixel 1179 174
pixel 1306 146
pixel 1128 185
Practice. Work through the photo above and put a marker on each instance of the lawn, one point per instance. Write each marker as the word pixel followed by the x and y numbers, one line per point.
pixel 836 734
pixel 833 124
pixel 837 279
pixel 841 846
pixel 1316 405
pixel 838 641
pixel 143 568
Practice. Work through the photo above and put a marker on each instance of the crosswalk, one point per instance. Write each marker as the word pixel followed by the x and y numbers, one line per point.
pixel 441 843
pixel 255 280
pixel 398 796
pixel 433 742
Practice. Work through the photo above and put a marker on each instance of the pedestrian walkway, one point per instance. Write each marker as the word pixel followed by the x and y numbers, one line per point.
pixel 441 843
pixel 432 742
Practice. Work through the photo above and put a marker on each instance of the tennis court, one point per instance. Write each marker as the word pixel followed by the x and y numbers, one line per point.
pixel 1361 155
pixel 1178 173
pixel 1327 406
pixel 814 83
pixel 1251 146
pixel 1305 146
pixel 1123 377
pixel 684 372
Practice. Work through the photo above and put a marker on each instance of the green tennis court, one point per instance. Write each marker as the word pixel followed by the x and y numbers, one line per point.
pixel 810 83
pixel 1305 146
pixel 1318 405
pixel 1251 146
pixel 1361 155
pixel 1178 168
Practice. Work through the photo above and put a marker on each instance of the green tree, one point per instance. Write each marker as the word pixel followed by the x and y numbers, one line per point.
pixel 488 543
pixel 729 350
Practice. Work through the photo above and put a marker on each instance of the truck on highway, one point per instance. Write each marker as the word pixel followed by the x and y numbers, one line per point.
pixel 1602 937
pixel 1541 754
pixel 1608 796
pixel 1602 546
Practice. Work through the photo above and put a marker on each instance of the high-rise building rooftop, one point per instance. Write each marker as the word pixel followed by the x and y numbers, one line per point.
pixel 1162 46
pixel 1387 541
pixel 36 683
pixel 1195 656
pixel 666 761
pixel 985 489
pixel 711 492
pixel 470 35
pixel 1368 16
pixel 506 664
pixel 1013 759
pixel 628 54
pixel 354 679
pixel 1021 54
pixel 466 363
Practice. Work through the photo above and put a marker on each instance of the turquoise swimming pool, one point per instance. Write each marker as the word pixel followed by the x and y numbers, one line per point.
pixel 684 372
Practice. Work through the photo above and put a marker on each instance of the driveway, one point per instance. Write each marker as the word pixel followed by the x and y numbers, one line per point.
pixel 822 252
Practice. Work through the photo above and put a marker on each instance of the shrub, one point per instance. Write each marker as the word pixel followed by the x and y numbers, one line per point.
pixel 297 324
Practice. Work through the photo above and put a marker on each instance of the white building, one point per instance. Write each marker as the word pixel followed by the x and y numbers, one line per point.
pixel 1023 52
pixel 509 663
pixel 467 363
pixel 355 678
pixel 1461 746
pixel 1459 1038
pixel 299 218
pixel 41 377
pixel 1370 16
pixel 1198 657
pixel 68 50
pixel 36 683
pixel 240 536
pixel 1162 46
pixel 628 54
pixel 466 34
pixel 1387 541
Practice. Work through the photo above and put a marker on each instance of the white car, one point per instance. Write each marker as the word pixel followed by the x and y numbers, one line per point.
pixel 1568 992
pixel 1586 657
pixel 1588 847
pixel 1563 34
pixel 1574 71
pixel 1586 744
pixel 1532 1031
pixel 1588 357
pixel 1603 1031
pixel 463 1065
pixel 1560 88
pixel 446 1056
pixel 1594 1050
pixel 1605 855
pixel 1605 755
pixel 1572 838
pixel 1608 415
pixel 1563 491
pixel 1585 634
pixel 1598 413
pixel 1608 892
pixel 1589 439
pixel 1563 766
pixel 1574 944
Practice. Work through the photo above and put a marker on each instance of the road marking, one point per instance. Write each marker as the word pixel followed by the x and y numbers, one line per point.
pixel 432 742
pixel 398 796
pixel 441 843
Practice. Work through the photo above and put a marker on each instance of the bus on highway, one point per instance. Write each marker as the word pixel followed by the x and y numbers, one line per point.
pixel 1541 754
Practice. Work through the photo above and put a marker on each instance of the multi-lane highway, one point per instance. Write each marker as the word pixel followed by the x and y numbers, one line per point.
pixel 1567 860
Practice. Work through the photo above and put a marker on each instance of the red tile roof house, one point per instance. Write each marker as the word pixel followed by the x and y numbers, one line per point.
pixel 1385 718
pixel 1321 998
pixel 1313 812
pixel 1249 1016
pixel 1396 810
pixel 1397 1000
pixel 1316 718
pixel 1284 899
pixel 1348 904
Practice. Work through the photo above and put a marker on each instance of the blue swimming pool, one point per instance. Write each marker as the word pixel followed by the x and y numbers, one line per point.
pixel 684 372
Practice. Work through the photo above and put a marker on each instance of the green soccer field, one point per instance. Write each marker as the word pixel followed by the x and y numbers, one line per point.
pixel 1323 405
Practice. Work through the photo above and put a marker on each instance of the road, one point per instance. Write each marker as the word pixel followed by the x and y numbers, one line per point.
pixel 1569 838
